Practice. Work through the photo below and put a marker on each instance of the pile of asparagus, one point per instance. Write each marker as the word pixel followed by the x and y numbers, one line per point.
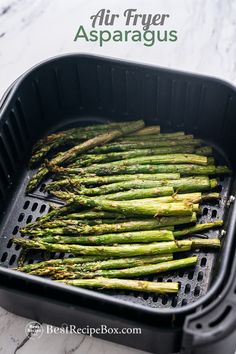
pixel 132 201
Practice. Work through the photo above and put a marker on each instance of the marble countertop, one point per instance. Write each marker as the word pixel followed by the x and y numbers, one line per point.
pixel 31 31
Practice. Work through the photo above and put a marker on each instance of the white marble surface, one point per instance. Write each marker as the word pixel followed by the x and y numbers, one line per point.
pixel 31 31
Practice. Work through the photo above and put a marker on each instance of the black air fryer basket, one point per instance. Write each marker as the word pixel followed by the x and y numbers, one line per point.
pixel 78 90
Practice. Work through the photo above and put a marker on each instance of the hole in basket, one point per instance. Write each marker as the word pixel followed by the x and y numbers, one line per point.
pixel 221 318
pixel 42 208
pixel 174 302
pixel 26 205
pixel 17 247
pixel 200 276
pixel 205 211
pixel 15 230
pixel 198 325
pixel 21 217
pixel 12 259
pixel 4 257
pixel 29 219
pixel 190 275
pixel 203 262
pixel 164 300
pixel 30 261
pixel 184 302
pixel 181 273
pixel 214 213
pixel 9 243
pixel 41 189
pixel 197 290
pixel 187 288
pixel 34 207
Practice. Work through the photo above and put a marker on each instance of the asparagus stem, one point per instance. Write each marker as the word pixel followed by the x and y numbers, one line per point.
pixel 67 156
pixel 198 228
pixel 131 272
pixel 105 264
pixel 138 285
pixel 110 239
pixel 121 250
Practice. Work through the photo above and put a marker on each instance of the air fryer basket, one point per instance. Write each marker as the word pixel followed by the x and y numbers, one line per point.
pixel 79 90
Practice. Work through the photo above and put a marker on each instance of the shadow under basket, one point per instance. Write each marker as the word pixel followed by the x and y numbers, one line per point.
pixel 76 90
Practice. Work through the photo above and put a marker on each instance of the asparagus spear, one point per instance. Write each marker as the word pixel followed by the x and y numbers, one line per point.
pixel 184 169
pixel 129 225
pixel 118 147
pixel 190 197
pixel 121 250
pixel 83 229
pixel 94 262
pixel 128 208
pixel 110 239
pixel 138 285
pixel 131 272
pixel 156 159
pixel 127 195
pixel 105 264
pixel 67 183
pixel 68 155
pixel 116 156
pixel 198 228
pixel 157 188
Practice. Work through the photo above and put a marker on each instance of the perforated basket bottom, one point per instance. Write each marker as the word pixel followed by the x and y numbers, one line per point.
pixel 194 282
